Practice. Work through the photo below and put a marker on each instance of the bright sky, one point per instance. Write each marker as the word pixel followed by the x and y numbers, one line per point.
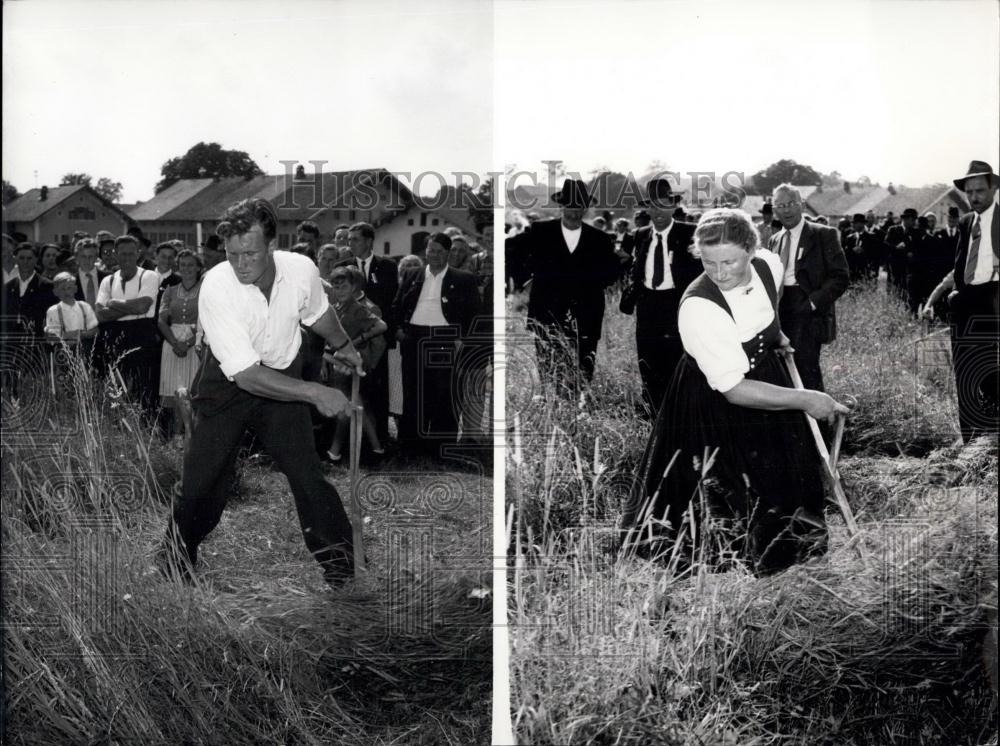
pixel 116 89
pixel 901 91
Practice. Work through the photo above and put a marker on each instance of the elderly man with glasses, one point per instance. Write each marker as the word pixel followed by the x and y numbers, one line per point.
pixel 816 274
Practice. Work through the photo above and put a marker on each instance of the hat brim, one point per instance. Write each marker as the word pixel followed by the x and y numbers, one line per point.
pixel 560 199
pixel 671 200
pixel 992 177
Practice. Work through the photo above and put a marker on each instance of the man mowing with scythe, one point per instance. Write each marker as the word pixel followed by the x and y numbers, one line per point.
pixel 250 378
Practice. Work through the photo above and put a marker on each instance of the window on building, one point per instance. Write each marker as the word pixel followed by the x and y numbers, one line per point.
pixel 352 215
pixel 82 213
pixel 423 219
pixel 284 241
pixel 385 248
pixel 434 221
pixel 410 221
pixel 65 239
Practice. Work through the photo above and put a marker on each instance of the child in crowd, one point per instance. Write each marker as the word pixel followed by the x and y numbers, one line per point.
pixel 70 320
pixel 362 320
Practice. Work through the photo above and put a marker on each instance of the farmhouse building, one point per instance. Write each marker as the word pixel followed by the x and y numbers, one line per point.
pixel 52 215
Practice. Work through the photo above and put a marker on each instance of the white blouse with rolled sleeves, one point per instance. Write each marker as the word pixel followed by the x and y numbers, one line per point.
pixel 243 329
pixel 715 340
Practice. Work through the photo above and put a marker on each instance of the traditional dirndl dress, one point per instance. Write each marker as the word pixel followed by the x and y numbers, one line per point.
pixel 764 488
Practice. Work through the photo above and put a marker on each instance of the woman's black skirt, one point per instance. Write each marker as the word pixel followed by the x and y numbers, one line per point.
pixel 763 488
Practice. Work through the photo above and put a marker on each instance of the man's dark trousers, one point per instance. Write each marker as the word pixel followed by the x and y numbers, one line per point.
pixel 430 407
pixel 803 328
pixel 223 413
pixel 657 343
pixel 975 349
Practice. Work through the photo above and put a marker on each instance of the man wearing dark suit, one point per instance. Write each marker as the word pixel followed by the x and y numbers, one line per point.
pixel 25 300
pixel 434 309
pixel 816 275
pixel 974 301
pixel 570 264
pixel 27 297
pixel 381 285
pixel 661 272
pixel 88 275
pixel 900 240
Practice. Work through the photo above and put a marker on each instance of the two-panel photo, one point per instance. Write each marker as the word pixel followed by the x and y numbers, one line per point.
pixel 502 373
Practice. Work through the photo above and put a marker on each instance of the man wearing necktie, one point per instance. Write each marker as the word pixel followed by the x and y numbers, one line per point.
pixel 974 304
pixel 816 275
pixel 662 270
pixel 381 284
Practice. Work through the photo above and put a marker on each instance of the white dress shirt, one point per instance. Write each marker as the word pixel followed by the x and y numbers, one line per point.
pixel 144 284
pixel 984 263
pixel 793 250
pixel 715 340
pixel 243 328
pixel 365 266
pixel 23 284
pixel 668 278
pixel 428 311
pixel 571 237
pixel 63 317
pixel 82 281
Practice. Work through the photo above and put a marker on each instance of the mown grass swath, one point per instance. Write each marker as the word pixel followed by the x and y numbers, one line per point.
pixel 608 649
pixel 99 649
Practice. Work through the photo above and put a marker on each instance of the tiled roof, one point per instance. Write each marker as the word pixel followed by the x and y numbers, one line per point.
pixel 206 199
pixel 919 198
pixel 834 200
pixel 28 207
pixel 169 199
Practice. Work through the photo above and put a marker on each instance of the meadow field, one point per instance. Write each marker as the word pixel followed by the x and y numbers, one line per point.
pixel 899 648
pixel 100 649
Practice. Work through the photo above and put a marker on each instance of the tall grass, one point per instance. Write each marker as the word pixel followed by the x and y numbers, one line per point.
pixel 99 648
pixel 607 649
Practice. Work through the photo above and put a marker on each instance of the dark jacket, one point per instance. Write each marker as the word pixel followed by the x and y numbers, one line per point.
pixel 566 286
pixel 684 267
pixel 820 270
pixel 965 238
pixel 26 315
pixel 459 298
pixel 80 294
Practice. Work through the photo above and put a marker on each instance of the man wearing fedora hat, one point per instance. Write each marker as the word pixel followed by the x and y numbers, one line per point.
pixel 764 227
pixel 857 249
pixel 974 301
pixel 569 264
pixel 899 241
pixel 661 272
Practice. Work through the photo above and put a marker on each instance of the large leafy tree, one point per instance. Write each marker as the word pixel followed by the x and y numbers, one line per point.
pixel 110 190
pixel 207 160
pixel 10 192
pixel 72 179
pixel 785 170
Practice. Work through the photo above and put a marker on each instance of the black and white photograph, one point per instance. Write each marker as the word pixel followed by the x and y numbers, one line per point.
pixel 247 388
pixel 751 371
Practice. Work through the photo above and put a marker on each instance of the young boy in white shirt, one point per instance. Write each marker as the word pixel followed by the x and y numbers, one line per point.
pixel 70 320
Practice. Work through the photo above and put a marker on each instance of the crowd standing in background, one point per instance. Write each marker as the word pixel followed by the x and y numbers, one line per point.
pixel 130 309
pixel 792 268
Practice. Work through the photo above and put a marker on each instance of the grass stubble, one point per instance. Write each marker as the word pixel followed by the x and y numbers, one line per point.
pixel 99 649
